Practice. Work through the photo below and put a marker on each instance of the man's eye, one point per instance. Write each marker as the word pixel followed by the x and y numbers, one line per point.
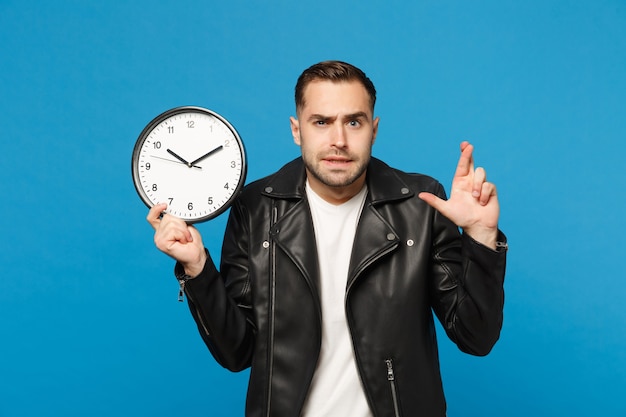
pixel 320 122
pixel 354 123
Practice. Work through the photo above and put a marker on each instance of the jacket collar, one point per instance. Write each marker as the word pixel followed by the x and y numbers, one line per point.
pixel 383 182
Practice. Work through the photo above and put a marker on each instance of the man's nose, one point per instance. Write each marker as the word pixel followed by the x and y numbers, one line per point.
pixel 339 139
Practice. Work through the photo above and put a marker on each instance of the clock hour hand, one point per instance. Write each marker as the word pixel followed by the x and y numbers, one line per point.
pixel 206 155
pixel 175 155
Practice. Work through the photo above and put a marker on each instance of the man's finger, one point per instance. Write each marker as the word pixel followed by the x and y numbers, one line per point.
pixel 180 235
pixel 154 215
pixel 432 200
pixel 488 191
pixel 480 176
pixel 466 160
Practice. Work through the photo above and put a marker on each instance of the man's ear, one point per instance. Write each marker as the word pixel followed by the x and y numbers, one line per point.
pixel 375 129
pixel 295 129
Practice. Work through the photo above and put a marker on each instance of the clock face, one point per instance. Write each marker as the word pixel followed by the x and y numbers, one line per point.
pixel 192 159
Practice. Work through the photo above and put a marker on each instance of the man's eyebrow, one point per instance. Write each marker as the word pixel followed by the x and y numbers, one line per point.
pixel 320 117
pixel 357 115
pixel 351 116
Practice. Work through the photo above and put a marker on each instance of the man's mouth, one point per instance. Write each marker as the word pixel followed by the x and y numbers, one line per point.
pixel 336 160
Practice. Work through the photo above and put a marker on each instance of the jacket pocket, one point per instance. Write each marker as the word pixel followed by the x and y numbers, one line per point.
pixel 391 378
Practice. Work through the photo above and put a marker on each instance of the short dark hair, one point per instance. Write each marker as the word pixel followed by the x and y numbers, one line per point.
pixel 335 71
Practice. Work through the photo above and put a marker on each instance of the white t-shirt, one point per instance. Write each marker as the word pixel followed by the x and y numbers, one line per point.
pixel 336 388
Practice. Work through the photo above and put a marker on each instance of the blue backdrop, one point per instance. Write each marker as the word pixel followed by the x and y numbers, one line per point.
pixel 88 313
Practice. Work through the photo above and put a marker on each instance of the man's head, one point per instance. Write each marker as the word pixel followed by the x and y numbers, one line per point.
pixel 334 71
pixel 335 128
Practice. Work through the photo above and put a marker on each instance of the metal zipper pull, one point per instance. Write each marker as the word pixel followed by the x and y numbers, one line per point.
pixel 181 290
pixel 390 375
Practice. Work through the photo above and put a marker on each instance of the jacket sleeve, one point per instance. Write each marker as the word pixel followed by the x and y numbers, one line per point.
pixel 468 287
pixel 220 302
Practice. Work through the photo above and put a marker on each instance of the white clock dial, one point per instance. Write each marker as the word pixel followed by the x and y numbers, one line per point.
pixel 192 159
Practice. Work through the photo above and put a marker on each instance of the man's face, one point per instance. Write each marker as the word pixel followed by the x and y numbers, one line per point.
pixel 335 130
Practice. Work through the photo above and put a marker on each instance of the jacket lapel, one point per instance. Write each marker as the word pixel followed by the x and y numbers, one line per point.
pixel 293 230
pixel 374 238
pixel 295 235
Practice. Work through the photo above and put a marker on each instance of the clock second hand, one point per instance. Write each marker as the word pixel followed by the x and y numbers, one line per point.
pixel 176 162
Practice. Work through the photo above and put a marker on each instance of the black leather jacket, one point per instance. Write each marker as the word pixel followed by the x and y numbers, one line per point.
pixel 407 261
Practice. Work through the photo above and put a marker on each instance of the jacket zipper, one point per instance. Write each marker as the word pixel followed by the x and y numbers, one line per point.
pixel 391 377
pixel 272 295
pixel 181 294
pixel 389 362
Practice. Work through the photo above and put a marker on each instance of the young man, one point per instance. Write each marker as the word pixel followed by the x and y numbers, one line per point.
pixel 331 268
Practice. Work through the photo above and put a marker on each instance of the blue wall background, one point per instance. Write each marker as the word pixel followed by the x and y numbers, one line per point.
pixel 88 313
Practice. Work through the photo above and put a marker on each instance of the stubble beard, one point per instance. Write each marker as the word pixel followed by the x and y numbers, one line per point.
pixel 335 178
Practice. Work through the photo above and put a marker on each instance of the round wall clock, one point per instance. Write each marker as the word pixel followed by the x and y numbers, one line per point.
pixel 191 158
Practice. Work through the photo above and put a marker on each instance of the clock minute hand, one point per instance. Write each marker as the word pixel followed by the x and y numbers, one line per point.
pixel 206 155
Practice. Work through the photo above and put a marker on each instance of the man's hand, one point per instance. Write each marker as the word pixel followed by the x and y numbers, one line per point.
pixel 473 203
pixel 177 239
